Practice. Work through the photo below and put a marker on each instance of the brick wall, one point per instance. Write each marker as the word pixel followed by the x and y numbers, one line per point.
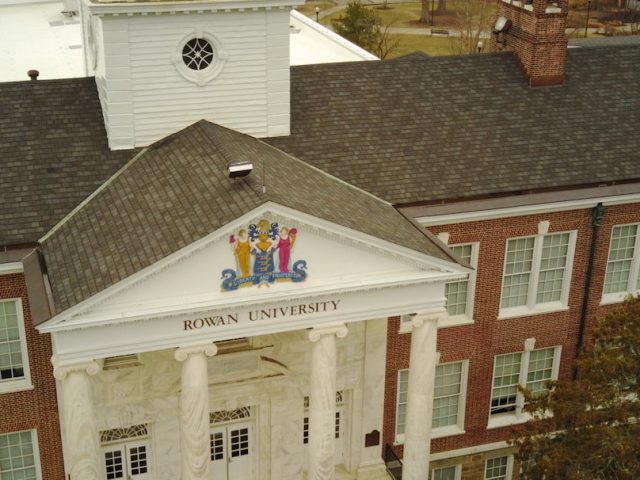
pixel 35 409
pixel 488 336
pixel 538 39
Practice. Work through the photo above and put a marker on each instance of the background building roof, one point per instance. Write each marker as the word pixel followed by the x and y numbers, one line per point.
pixel 423 129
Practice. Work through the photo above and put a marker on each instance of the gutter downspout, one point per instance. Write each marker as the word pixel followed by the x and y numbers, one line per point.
pixel 597 217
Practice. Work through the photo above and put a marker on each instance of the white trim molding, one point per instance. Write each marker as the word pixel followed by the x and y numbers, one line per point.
pixel 532 209
pixel 23 383
pixel 10 268
pixel 633 278
pixel 532 306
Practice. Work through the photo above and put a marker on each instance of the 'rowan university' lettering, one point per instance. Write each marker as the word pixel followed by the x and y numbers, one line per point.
pixel 293 310
pixel 272 313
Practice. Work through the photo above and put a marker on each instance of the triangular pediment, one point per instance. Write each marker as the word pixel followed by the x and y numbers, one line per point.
pixel 271 255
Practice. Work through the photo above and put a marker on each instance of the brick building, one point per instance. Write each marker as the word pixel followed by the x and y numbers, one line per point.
pixel 410 241
pixel 29 426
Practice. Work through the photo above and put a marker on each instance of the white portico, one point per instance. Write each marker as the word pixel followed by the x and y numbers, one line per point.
pixel 208 328
pixel 277 344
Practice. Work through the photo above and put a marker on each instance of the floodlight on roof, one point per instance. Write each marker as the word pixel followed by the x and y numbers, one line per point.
pixel 503 24
pixel 239 169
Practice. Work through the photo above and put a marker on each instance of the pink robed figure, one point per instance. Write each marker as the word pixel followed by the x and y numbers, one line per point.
pixel 285 245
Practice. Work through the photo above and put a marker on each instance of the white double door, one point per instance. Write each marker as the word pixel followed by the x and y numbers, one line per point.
pixel 232 449
pixel 127 461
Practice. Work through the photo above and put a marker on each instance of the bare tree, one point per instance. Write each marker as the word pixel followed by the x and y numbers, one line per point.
pixel 386 43
pixel 474 17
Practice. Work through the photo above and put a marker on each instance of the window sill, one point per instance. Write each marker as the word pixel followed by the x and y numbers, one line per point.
pixel 440 432
pixel 611 298
pixel 14 386
pixel 517 312
pixel 457 321
pixel 506 419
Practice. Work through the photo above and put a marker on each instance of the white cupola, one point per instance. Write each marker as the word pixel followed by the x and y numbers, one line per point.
pixel 160 66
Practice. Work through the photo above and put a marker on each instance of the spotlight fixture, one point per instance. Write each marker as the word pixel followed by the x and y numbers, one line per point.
pixel 239 169
pixel 503 24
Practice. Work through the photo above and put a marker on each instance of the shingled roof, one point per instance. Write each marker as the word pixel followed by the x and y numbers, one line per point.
pixel 53 154
pixel 425 129
pixel 177 191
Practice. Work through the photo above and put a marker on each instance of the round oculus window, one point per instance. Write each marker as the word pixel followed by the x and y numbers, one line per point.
pixel 197 54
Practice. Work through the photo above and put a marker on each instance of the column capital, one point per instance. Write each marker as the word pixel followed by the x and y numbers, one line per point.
pixel 182 353
pixel 60 371
pixel 421 318
pixel 340 330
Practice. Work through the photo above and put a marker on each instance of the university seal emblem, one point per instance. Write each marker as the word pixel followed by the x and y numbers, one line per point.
pixel 263 256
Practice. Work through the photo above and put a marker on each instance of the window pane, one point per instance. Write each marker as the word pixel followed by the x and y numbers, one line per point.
pixel 456 292
pixel 505 381
pixel 621 253
pixel 540 370
pixel 552 267
pixel 496 468
pixel 401 402
pixel 447 394
pixel 517 271
pixel 11 366
pixel 16 457
pixel 446 473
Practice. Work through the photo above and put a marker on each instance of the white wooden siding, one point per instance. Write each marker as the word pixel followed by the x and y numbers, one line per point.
pixel 145 98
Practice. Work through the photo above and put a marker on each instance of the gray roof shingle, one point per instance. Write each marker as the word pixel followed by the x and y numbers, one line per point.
pixel 177 191
pixel 53 154
pixel 423 129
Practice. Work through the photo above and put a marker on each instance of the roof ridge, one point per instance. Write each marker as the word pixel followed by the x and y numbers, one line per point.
pixel 323 172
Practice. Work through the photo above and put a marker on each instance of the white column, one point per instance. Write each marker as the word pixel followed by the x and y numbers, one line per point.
pixel 81 434
pixel 422 369
pixel 194 411
pixel 322 401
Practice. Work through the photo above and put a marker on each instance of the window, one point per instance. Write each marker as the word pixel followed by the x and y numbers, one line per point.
pixel 460 293
pixel 531 369
pixel 339 418
pixel 623 266
pixel 19 456
pixel 498 468
pixel 447 473
pixel 197 54
pixel 199 57
pixel 448 401
pixel 537 273
pixel 14 363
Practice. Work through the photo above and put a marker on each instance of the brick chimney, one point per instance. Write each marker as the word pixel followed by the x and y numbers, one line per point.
pixel 535 32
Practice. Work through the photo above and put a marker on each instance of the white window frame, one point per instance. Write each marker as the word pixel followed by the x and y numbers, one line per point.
pixel 498 420
pixel 449 430
pixel 24 383
pixel 458 474
pixel 36 450
pixel 617 297
pixel 454 320
pixel 467 317
pixel 531 307
pixel 509 473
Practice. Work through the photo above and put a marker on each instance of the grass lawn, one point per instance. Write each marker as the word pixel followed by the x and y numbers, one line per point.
pixel 422 43
pixel 309 8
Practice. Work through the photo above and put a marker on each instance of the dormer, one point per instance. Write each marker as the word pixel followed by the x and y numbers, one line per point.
pixel 160 66
pixel 535 31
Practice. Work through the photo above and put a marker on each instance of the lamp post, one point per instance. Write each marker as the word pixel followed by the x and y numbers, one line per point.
pixel 317 14
pixel 586 27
